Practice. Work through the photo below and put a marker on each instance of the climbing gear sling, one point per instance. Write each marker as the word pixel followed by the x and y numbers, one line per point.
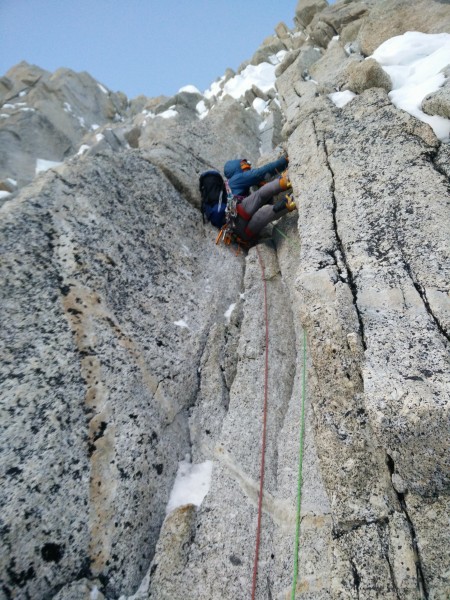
pixel 233 210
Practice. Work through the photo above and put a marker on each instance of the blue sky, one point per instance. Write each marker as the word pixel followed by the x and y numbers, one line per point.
pixel 138 46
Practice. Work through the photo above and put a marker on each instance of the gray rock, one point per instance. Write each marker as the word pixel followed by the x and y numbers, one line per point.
pixel 321 33
pixel 80 590
pixel 92 276
pixel 326 69
pixel 264 53
pixel 389 18
pixel 365 75
pixel 379 218
pixel 306 9
pixel 438 103
pixel 341 14
pixel 47 115
pixel 349 32
pixel 130 340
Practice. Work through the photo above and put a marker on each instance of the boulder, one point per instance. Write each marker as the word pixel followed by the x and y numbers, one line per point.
pixel 366 74
pixel 306 9
pixel 438 103
pixel 389 18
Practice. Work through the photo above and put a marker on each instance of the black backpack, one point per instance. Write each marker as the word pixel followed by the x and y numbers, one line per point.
pixel 213 191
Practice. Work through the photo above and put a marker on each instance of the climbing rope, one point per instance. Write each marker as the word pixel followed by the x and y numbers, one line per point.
pixel 263 448
pixel 300 466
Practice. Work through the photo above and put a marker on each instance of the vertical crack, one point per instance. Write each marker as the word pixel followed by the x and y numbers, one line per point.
pixel 356 578
pixel 349 275
pixel 419 288
pixel 384 541
pixel 421 585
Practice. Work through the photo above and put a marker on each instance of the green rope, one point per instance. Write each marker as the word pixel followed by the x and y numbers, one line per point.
pixel 300 464
pixel 291 242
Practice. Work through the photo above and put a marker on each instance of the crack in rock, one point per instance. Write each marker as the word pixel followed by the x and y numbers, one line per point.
pixel 350 278
pixel 421 585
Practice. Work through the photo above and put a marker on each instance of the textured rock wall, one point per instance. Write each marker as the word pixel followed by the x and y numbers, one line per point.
pixel 97 271
pixel 367 277
pixel 119 360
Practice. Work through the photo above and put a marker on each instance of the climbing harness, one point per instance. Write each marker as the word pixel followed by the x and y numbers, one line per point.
pixel 263 449
pixel 227 233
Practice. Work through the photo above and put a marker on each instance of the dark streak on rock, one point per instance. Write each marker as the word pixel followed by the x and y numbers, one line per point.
pixel 421 586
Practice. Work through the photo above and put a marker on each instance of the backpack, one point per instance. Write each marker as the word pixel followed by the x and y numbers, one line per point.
pixel 214 197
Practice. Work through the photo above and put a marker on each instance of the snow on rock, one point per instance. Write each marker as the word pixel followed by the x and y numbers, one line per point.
pixel 260 105
pixel 4 194
pixel 229 312
pixel 191 484
pixel 340 99
pixel 277 58
pixel 414 61
pixel 262 75
pixel 215 89
pixel 168 114
pixel 190 89
pixel 181 323
pixel 43 165
pixel 201 109
pixel 83 148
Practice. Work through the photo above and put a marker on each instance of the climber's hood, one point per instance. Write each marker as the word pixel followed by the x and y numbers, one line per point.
pixel 232 167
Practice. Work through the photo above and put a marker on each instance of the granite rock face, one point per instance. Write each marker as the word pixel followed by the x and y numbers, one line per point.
pixel 130 341
pixel 99 367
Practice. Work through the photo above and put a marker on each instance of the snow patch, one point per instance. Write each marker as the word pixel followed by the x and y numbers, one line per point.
pixel 4 194
pixel 181 323
pixel 215 89
pixel 229 312
pixel 260 105
pixel 201 109
pixel 168 114
pixel 276 59
pixel 191 484
pixel 190 89
pixel 262 75
pixel 340 99
pixel 44 165
pixel 94 593
pixel 83 148
pixel 99 137
pixel 414 61
pixel 102 88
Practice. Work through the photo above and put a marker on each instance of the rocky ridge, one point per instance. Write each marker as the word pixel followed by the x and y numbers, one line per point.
pixel 132 340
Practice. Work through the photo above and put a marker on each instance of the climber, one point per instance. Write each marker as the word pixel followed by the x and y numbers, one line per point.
pixel 241 176
pixel 254 212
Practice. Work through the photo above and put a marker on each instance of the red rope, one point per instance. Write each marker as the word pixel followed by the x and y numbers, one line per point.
pixel 263 450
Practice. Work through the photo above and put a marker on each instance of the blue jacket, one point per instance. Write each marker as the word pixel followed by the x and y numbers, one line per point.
pixel 240 181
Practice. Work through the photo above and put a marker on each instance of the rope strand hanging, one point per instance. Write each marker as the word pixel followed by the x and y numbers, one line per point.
pixel 263 449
